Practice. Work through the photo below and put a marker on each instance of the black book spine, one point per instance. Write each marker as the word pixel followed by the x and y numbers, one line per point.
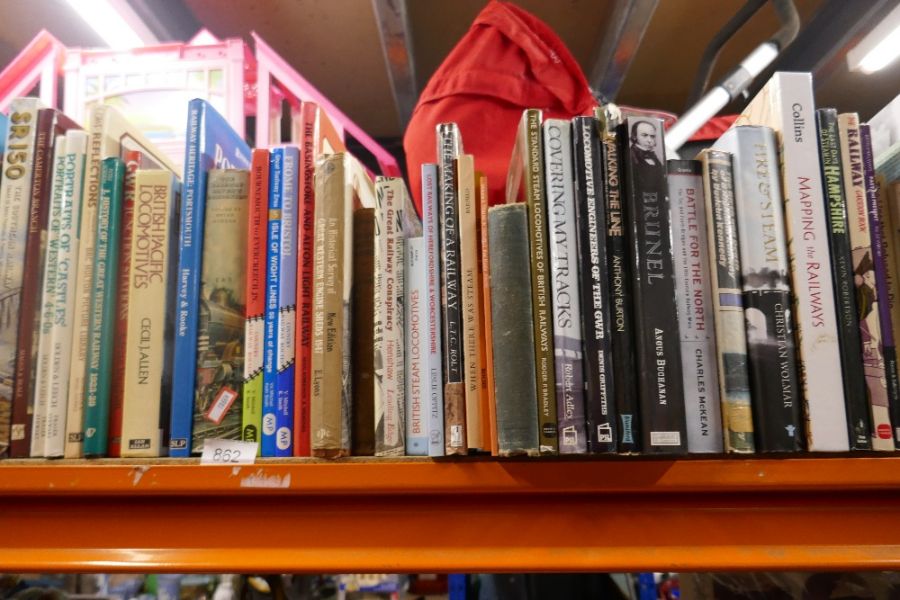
pixel 657 342
pixel 621 324
pixel 882 278
pixel 590 213
pixel 845 291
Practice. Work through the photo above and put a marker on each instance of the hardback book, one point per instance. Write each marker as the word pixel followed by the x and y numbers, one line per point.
pixel 15 198
pixel 889 251
pixel 97 378
pixel 449 147
pixel 695 311
pixel 148 354
pixel 416 340
pixel 727 302
pixel 431 234
pixel 786 105
pixel 341 187
pixel 316 136
pixel 46 301
pixel 363 319
pixel 470 298
pixel 514 374
pixel 278 397
pixel 593 274
pixel 110 136
pixel 864 279
pixel 621 322
pixel 525 182
pixel 772 363
pixel 211 143
pixel 657 345
pixel 123 291
pixel 220 333
pixel 891 196
pixel 59 340
pixel 489 413
pixel 883 278
pixel 389 339
pixel 566 301
pixel 255 295
pixel 857 407
pixel 51 125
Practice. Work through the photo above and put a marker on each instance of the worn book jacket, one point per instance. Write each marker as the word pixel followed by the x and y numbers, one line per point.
pixel 727 302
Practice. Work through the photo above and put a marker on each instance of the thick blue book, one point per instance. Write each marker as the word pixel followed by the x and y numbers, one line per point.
pixel 281 304
pixel 211 143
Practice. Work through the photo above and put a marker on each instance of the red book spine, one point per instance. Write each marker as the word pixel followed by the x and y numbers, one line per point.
pixel 303 344
pixel 117 386
pixel 30 300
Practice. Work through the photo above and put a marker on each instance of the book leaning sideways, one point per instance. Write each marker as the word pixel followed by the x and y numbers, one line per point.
pixel 211 143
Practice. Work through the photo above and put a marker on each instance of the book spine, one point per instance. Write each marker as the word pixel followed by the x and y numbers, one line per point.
pixel 434 356
pixel 540 301
pixel 47 300
pixel 220 342
pixel 149 280
pixel 621 328
pixel 305 239
pixel 695 318
pixel 889 203
pixel 83 291
pixel 61 334
pixel 254 326
pixel 416 340
pixel 567 337
pixel 864 277
pixel 806 226
pixel 190 254
pixel 117 388
pixel 657 348
pixel 363 319
pixel 592 243
pixel 510 272
pixel 273 276
pixel 470 298
pixel 103 316
pixel 330 317
pixel 455 435
pixel 728 302
pixel 883 276
pixel 287 306
pixel 774 383
pixel 29 301
pixel 15 196
pixel 389 391
pixel 857 409
pixel 487 344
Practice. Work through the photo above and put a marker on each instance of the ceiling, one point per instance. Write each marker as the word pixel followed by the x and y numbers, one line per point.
pixel 335 44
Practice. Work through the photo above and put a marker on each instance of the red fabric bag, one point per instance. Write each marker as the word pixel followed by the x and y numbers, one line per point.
pixel 508 61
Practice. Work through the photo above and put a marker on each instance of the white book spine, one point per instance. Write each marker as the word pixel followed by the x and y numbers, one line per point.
pixel 47 300
pixel 695 310
pixel 789 108
pixel 567 335
pixel 66 273
pixel 433 356
pixel 417 381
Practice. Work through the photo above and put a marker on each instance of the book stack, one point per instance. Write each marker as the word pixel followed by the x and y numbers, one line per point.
pixel 617 302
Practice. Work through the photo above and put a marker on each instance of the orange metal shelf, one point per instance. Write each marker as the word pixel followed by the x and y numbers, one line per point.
pixel 481 515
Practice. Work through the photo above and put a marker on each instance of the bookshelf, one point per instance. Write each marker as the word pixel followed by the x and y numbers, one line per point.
pixel 475 515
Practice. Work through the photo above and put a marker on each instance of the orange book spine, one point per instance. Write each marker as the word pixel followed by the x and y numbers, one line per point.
pixel 489 414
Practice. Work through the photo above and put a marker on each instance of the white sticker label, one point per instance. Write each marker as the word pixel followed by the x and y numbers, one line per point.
pixel 228 452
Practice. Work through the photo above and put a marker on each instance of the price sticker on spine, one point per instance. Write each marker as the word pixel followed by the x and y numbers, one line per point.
pixel 228 452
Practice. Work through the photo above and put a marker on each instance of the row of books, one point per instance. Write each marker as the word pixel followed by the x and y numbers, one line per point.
pixel 742 302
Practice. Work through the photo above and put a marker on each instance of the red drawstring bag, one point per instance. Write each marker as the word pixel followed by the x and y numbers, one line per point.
pixel 508 61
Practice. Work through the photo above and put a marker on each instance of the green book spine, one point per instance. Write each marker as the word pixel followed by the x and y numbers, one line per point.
pixel 103 305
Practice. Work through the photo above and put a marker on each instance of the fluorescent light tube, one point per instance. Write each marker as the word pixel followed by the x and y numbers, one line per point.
pixel 115 22
pixel 879 48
